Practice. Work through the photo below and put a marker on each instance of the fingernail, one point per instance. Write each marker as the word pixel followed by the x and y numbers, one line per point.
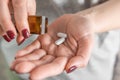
pixel 71 69
pixel 6 38
pixel 25 33
pixel 11 34
pixel 21 42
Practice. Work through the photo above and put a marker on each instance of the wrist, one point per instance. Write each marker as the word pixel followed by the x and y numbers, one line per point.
pixel 90 15
pixel 104 16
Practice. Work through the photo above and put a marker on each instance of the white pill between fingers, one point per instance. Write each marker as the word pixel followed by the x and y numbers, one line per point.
pixel 59 41
pixel 63 35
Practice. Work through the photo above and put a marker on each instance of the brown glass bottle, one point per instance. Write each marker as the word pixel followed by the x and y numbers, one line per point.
pixel 38 24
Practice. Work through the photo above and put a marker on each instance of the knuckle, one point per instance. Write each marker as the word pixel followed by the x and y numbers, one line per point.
pixel 19 3
pixel 31 4
pixel 3 1
pixel 4 22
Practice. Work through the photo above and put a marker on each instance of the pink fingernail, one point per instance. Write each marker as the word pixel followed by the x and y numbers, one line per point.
pixel 73 68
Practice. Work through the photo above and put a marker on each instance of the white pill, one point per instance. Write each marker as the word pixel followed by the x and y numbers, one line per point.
pixel 63 35
pixel 59 41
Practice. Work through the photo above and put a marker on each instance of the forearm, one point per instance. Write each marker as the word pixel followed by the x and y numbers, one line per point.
pixel 105 16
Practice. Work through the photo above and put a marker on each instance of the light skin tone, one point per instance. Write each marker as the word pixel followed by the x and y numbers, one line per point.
pixel 43 52
pixel 20 9
pixel 43 58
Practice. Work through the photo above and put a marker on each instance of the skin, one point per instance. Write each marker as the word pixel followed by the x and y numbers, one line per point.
pixel 61 57
pixel 21 9
pixel 43 58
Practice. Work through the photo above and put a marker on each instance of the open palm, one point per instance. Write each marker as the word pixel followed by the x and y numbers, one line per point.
pixel 43 58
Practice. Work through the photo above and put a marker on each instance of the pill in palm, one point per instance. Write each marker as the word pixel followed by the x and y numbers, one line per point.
pixel 63 35
pixel 59 41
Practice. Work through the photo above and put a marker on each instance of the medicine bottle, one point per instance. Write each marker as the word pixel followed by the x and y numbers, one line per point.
pixel 38 24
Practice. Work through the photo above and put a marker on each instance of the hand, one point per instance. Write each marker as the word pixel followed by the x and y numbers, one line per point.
pixel 43 58
pixel 21 9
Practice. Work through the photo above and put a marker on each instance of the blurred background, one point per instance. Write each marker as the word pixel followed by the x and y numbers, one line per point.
pixel 53 9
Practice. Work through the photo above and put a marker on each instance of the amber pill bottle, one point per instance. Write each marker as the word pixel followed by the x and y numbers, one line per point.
pixel 38 24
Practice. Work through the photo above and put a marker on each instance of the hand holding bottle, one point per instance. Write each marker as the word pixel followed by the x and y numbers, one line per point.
pixel 20 9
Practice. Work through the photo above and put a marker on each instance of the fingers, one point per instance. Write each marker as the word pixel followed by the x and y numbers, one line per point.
pixel 35 55
pixel 17 61
pixel 24 67
pixel 9 31
pixel 27 66
pixel 82 56
pixel 21 17
pixel 47 70
pixel 33 46
pixel 47 43
pixel 76 62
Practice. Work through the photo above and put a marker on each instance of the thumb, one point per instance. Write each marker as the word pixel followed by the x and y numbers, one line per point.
pixel 82 55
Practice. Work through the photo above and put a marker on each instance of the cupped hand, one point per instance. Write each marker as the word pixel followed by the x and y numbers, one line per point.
pixel 20 9
pixel 43 58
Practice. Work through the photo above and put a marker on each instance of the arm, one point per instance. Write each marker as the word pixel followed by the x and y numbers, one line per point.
pixel 75 51
pixel 105 16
